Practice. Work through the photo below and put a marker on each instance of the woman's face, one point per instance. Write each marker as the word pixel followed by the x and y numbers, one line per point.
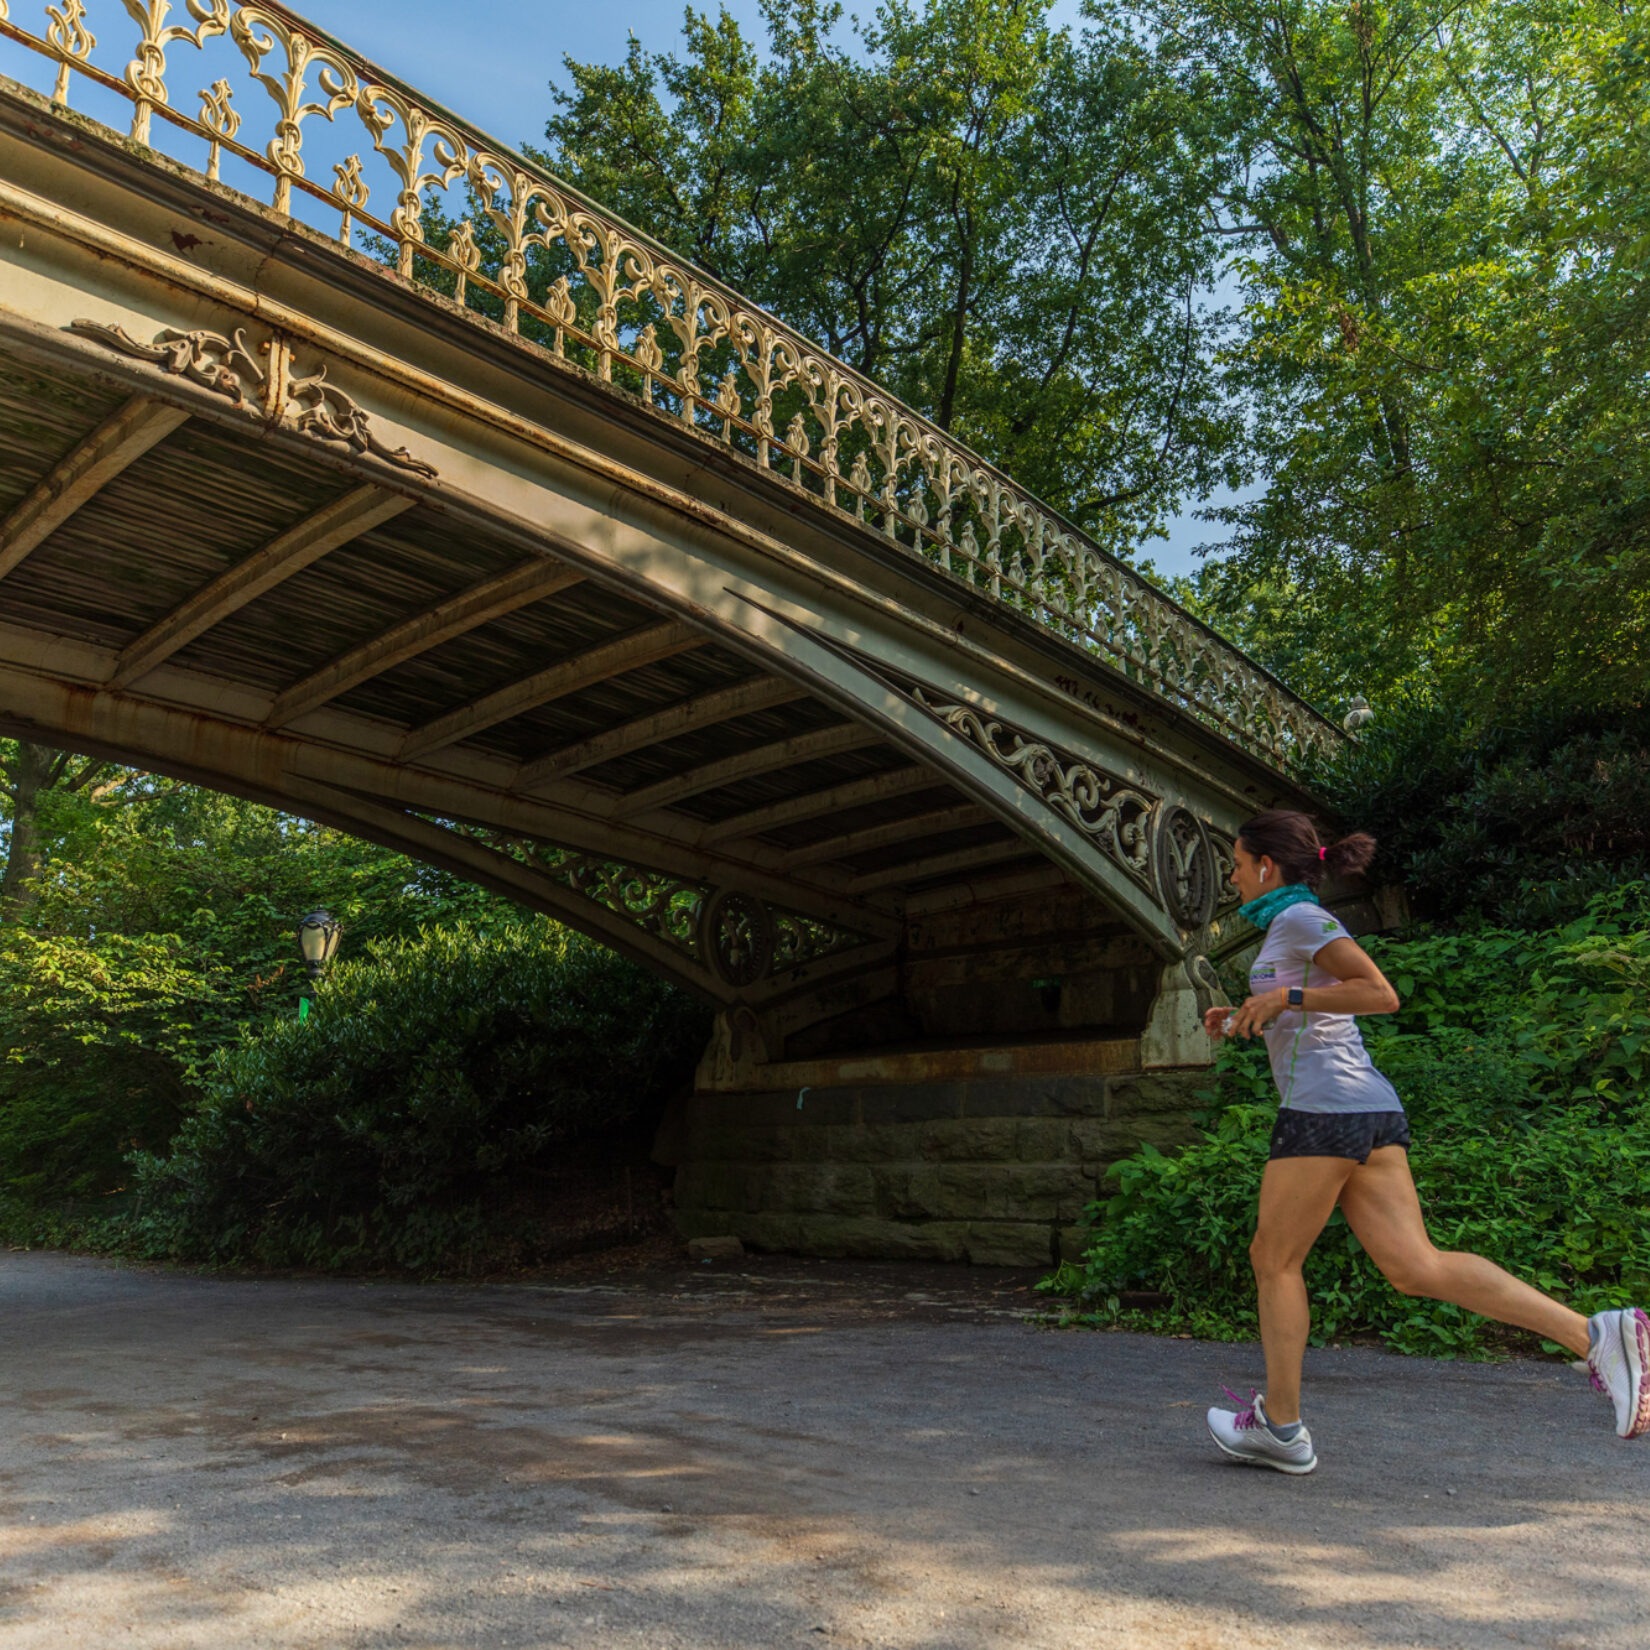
pixel 1252 877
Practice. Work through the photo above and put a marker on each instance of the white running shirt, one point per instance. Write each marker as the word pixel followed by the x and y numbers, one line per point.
pixel 1318 1060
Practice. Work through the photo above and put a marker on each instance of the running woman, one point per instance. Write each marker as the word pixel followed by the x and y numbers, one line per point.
pixel 1342 1138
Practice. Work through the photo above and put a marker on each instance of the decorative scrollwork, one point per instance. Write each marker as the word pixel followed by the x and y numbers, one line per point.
pixel 736 938
pixel 322 409
pixel 351 193
pixel 798 940
pixel 1222 847
pixel 221 121
pixel 466 256
pixel 70 41
pixel 700 351
pixel 1116 816
pixel 1186 871
pixel 226 366
pixel 146 73
pixel 258 33
pixel 229 367
pixel 659 904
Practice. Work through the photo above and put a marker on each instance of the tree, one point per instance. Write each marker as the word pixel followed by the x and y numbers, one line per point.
pixel 1002 224
pixel 29 775
pixel 1437 208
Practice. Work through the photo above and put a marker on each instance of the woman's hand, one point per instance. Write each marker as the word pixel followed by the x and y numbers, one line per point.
pixel 1257 1013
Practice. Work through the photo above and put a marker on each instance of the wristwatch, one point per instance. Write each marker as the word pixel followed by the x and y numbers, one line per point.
pixel 1297 997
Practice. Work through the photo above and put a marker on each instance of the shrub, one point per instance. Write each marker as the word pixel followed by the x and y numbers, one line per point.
pixel 158 933
pixel 99 1039
pixel 431 1077
pixel 1518 822
pixel 1524 1063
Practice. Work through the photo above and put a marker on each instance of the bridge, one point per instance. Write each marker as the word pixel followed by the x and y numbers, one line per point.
pixel 353 463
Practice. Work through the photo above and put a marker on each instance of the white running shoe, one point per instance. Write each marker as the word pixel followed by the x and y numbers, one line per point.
pixel 1618 1359
pixel 1246 1437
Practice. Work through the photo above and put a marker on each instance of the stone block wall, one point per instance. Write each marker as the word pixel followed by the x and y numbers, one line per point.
pixel 993 1172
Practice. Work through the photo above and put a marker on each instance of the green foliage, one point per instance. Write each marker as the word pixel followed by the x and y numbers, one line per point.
pixel 432 1077
pixel 1517 818
pixel 159 930
pixel 1003 223
pixel 1524 1063
pixel 1439 207
pixel 100 1042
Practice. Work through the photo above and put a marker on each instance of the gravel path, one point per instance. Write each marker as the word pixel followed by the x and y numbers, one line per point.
pixel 765 1454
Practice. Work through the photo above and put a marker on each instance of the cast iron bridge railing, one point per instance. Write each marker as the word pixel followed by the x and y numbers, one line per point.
pixel 484 228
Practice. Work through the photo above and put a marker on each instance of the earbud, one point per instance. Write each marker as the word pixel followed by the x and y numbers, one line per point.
pixel 1263 871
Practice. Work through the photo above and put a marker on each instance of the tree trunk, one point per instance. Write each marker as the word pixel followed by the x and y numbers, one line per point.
pixel 31 775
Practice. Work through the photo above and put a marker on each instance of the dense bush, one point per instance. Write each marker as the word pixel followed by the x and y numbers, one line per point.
pixel 159 932
pixel 1524 1062
pixel 431 1078
pixel 1518 821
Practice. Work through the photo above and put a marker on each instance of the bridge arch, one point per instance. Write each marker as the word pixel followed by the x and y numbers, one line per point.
pixel 610 592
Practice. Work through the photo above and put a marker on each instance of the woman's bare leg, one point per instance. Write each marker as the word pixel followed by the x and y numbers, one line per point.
pixel 1297 1196
pixel 1381 1207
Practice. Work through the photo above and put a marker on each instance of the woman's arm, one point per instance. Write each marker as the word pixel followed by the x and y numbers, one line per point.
pixel 1359 988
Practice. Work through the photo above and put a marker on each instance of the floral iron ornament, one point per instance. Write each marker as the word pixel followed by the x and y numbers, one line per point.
pixel 1119 818
pixel 229 367
pixel 737 938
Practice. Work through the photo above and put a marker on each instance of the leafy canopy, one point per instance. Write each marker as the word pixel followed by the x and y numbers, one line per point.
pixel 1002 223
pixel 1438 211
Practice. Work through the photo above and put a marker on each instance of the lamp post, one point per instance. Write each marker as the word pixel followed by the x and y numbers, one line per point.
pixel 318 937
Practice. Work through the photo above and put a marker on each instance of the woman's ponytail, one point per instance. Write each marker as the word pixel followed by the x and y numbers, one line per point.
pixel 1290 840
pixel 1350 855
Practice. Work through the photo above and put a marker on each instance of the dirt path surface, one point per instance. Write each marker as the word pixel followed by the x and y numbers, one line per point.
pixel 762 1455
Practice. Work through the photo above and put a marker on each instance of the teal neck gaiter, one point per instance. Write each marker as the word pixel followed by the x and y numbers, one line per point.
pixel 1261 911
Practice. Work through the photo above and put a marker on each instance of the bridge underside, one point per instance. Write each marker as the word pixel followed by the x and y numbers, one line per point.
pixel 273 522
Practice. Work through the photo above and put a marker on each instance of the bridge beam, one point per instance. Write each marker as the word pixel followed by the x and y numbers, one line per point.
pixel 783 753
pixel 703 711
pixel 329 528
pixel 935 865
pixel 491 599
pixel 887 836
pixel 556 681
pixel 879 787
pixel 116 444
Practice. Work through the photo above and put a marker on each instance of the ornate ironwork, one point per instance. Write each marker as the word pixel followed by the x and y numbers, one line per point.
pixel 595 293
pixel 656 902
pixel 1118 817
pixel 1222 848
pixel 229 367
pixel 1186 870
pixel 736 938
pixel 798 940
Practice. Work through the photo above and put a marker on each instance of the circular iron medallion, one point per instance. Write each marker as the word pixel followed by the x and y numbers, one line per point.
pixel 736 937
pixel 1186 870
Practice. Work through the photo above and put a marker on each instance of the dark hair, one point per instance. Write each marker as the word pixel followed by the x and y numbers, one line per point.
pixel 1291 841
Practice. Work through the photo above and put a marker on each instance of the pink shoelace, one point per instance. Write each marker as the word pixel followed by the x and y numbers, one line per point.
pixel 1246 1416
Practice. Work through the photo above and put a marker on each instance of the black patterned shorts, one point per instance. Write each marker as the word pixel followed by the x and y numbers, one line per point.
pixel 1353 1134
